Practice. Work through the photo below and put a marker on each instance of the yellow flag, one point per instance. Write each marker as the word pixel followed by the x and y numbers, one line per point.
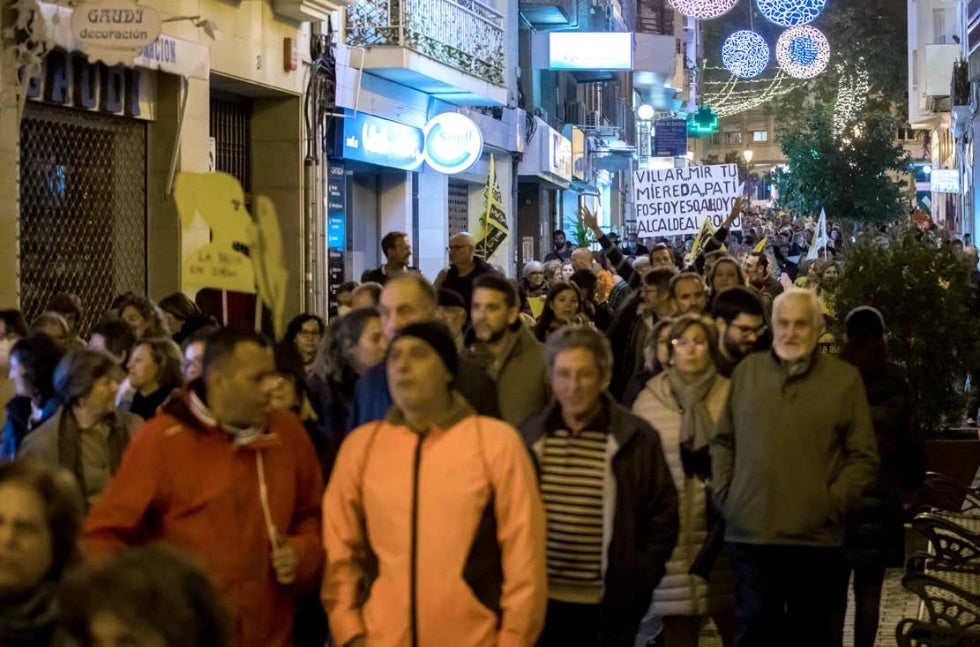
pixel 493 222
pixel 760 246
pixel 706 232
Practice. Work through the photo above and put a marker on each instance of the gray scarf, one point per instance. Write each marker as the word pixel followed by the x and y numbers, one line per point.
pixel 696 422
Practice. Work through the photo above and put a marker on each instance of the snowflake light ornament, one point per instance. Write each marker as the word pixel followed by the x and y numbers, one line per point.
pixel 703 9
pixel 791 13
pixel 803 52
pixel 745 54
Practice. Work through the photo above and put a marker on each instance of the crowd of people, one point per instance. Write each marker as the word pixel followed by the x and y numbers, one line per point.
pixel 611 450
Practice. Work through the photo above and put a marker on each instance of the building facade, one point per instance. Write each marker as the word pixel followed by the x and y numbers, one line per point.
pixel 88 153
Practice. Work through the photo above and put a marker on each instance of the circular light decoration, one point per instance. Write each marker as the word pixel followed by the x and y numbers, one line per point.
pixel 703 9
pixel 802 52
pixel 791 13
pixel 745 54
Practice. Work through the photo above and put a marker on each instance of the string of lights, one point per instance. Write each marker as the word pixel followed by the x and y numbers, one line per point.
pixel 852 95
pixel 735 95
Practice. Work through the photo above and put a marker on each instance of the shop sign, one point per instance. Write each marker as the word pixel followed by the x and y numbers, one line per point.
pixel 453 143
pixel 383 142
pixel 336 230
pixel 945 181
pixel 114 31
pixel 670 138
pixel 578 153
pixel 70 80
pixel 559 155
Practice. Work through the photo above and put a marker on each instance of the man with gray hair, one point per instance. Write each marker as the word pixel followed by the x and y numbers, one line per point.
pixel 793 449
pixel 610 502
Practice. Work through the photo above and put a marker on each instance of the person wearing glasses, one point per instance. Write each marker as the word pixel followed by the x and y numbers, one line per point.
pixel 303 334
pixel 683 403
pixel 464 267
pixel 740 319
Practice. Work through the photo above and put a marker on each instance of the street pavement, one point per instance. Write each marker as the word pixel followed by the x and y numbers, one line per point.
pixel 896 604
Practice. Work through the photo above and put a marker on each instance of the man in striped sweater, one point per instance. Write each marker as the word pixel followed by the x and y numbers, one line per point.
pixel 610 503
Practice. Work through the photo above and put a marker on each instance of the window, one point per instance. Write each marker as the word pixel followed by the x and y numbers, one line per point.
pixel 760 136
pixel 734 137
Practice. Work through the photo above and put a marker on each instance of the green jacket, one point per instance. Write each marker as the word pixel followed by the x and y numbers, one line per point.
pixel 523 387
pixel 791 453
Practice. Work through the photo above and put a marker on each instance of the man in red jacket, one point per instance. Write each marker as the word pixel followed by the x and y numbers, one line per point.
pixel 236 484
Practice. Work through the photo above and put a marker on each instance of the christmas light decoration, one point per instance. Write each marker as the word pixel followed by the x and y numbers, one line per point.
pixel 852 95
pixel 745 54
pixel 735 95
pixel 703 9
pixel 790 13
pixel 803 52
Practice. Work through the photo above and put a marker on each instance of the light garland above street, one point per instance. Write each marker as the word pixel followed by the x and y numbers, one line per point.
pixel 736 95
pixel 703 9
pixel 745 54
pixel 803 52
pixel 791 13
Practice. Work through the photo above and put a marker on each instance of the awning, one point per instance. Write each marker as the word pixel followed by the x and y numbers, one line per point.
pixel 177 56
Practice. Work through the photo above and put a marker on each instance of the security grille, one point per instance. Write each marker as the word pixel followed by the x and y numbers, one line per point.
pixel 230 117
pixel 459 207
pixel 82 208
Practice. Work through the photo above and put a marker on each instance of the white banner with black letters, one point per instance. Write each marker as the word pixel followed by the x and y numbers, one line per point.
pixel 675 201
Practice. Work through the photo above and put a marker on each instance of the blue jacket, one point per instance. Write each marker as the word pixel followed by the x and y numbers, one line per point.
pixel 18 424
pixel 372 397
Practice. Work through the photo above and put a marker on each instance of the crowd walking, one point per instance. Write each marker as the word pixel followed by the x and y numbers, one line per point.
pixel 613 450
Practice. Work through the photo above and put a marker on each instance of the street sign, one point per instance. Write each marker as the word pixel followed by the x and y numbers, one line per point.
pixel 670 138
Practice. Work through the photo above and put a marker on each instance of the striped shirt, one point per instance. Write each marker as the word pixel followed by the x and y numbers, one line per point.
pixel 573 470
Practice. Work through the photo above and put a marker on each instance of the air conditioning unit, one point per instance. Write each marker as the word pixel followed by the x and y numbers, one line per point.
pixel 593 120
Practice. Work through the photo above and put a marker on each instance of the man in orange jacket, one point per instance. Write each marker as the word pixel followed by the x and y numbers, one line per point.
pixel 432 523
pixel 234 483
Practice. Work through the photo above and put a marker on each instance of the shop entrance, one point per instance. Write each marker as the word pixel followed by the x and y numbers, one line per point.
pixel 82 208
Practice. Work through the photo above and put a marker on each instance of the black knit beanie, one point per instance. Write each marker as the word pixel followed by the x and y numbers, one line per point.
pixel 437 335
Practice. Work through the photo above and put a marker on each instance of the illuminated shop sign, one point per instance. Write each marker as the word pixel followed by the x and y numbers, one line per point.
pixel 383 142
pixel 590 51
pixel 945 180
pixel 453 143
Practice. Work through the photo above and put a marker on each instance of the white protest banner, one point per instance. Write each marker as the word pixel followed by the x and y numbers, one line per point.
pixel 675 201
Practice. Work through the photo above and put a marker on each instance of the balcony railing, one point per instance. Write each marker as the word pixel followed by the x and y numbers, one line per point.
pixel 463 34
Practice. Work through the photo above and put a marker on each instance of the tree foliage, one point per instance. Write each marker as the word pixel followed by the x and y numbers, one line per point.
pixel 923 290
pixel 848 175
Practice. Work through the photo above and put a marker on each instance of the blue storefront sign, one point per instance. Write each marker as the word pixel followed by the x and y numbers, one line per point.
pixel 670 138
pixel 382 142
pixel 336 230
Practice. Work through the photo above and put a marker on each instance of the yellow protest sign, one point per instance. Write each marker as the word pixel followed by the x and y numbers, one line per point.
pixel 219 200
pixel 221 269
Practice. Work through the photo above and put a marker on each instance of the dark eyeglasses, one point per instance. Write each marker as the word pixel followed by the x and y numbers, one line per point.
pixel 747 330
